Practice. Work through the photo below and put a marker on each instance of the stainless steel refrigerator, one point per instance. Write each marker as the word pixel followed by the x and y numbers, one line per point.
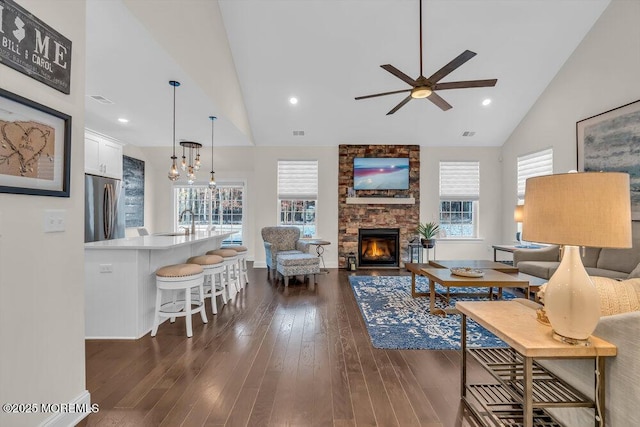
pixel 103 208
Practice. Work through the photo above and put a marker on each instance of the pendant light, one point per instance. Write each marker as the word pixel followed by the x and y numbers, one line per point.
pixel 194 164
pixel 173 172
pixel 212 179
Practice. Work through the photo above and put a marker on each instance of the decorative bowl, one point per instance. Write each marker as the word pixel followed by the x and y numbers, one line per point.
pixel 467 272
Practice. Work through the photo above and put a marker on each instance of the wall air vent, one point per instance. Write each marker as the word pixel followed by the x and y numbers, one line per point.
pixel 468 133
pixel 298 133
pixel 101 99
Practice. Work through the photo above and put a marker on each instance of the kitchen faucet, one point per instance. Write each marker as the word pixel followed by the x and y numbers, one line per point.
pixel 193 219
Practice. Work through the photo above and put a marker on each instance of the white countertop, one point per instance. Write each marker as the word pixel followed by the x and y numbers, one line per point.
pixel 156 241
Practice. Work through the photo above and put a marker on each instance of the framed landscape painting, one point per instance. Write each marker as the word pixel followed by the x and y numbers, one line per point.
pixel 611 142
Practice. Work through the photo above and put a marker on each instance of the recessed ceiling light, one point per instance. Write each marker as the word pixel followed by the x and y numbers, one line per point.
pixel 123 120
pixel 293 100
pixel 101 99
pixel 486 102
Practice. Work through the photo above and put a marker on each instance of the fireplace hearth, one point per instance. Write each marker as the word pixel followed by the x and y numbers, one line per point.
pixel 379 247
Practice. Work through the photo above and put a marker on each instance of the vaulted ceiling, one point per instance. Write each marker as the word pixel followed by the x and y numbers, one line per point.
pixel 244 60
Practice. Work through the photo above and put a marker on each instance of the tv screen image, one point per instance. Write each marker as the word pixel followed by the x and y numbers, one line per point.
pixel 377 173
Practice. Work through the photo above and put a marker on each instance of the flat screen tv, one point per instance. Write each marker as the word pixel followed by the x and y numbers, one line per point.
pixel 380 173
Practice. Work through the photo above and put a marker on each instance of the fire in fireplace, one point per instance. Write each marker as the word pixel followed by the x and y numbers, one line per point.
pixel 378 247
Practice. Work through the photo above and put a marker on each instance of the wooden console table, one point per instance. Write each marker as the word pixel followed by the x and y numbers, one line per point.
pixel 524 389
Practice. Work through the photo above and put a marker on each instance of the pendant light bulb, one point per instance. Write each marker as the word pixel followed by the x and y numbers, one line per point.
pixel 196 164
pixel 173 171
pixel 212 181
pixel 183 165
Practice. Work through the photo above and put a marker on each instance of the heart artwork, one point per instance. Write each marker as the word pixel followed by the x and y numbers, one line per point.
pixel 26 149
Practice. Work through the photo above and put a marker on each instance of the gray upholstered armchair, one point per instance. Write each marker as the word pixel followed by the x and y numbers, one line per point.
pixel 281 240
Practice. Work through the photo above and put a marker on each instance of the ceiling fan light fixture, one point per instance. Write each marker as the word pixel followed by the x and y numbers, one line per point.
pixel 421 92
pixel 423 87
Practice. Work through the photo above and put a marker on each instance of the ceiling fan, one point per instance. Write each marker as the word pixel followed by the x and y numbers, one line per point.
pixel 423 87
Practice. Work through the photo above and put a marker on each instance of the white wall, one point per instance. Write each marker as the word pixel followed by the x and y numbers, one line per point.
pixel 601 74
pixel 265 197
pixel 230 164
pixel 490 199
pixel 257 166
pixel 42 275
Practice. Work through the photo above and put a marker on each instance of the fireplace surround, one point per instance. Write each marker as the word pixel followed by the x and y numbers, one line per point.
pixel 369 213
pixel 379 247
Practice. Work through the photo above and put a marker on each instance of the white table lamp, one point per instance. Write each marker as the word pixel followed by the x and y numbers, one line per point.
pixel 518 215
pixel 576 209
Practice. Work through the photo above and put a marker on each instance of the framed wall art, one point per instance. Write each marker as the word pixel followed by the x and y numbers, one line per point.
pixel 35 147
pixel 133 183
pixel 610 141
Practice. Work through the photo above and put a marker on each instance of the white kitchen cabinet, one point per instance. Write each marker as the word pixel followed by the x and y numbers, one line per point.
pixel 102 155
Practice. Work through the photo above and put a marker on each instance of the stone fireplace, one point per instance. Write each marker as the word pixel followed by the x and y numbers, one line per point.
pixel 377 209
pixel 379 247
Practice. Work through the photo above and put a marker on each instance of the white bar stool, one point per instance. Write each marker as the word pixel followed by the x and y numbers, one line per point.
pixel 242 252
pixel 230 258
pixel 213 265
pixel 176 278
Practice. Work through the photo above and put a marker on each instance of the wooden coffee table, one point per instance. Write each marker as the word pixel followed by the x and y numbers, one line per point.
pixel 478 264
pixel 491 279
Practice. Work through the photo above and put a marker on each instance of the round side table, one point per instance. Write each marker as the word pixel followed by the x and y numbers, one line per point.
pixel 320 244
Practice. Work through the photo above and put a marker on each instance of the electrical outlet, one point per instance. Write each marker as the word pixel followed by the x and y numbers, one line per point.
pixel 106 268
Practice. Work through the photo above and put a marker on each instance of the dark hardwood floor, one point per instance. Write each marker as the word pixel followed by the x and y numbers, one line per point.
pixel 272 360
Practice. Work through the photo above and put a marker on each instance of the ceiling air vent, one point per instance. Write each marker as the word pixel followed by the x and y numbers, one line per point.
pixel 101 99
pixel 468 133
pixel 298 133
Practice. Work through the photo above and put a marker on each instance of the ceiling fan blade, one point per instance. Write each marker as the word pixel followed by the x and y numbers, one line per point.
pixel 465 84
pixel 455 63
pixel 382 94
pixel 399 74
pixel 399 106
pixel 436 99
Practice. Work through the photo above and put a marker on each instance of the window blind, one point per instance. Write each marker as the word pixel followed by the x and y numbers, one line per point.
pixel 534 164
pixel 298 179
pixel 460 180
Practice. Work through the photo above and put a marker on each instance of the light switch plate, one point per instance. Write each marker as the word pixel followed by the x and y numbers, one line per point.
pixel 54 220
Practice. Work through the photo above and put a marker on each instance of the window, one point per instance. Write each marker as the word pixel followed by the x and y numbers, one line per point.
pixel 224 210
pixel 298 194
pixel 530 165
pixel 534 164
pixel 459 197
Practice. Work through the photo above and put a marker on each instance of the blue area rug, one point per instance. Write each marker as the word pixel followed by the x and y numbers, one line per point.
pixel 395 320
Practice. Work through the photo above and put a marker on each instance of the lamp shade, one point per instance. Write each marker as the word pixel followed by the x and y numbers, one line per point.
pixel 518 213
pixel 579 209
pixel 576 209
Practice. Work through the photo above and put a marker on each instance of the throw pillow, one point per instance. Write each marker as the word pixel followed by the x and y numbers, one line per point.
pixel 616 297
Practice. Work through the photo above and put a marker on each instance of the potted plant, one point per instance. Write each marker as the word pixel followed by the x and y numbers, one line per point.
pixel 428 231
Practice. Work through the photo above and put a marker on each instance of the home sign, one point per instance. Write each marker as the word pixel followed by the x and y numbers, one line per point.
pixel 32 47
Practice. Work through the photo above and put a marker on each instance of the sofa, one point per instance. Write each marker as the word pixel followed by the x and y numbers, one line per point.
pixel 620 325
pixel 281 240
pixel 602 262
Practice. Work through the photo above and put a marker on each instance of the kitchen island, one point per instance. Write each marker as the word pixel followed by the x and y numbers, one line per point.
pixel 120 286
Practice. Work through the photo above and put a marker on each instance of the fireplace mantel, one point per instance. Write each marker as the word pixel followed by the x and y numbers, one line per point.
pixel 381 201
